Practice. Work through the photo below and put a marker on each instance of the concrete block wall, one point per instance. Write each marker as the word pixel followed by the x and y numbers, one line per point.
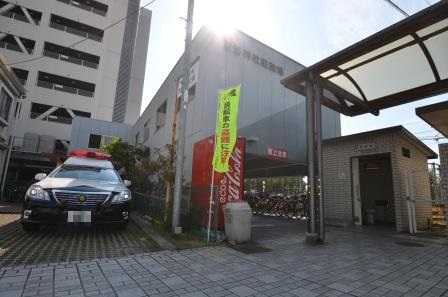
pixel 417 165
pixel 443 154
pixel 337 159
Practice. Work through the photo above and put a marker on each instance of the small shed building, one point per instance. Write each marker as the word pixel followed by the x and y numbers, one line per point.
pixel 371 177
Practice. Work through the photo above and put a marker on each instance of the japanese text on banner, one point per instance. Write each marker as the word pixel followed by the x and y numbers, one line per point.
pixel 226 130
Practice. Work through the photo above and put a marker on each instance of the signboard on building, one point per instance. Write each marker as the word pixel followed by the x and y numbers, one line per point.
pixel 193 78
pixel 278 153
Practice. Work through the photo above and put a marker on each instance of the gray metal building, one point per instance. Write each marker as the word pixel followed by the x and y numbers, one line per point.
pixel 270 116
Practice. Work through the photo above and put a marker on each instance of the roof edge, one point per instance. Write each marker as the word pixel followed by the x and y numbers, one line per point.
pixel 394 129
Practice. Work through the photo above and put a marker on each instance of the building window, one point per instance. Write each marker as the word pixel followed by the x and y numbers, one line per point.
pixel 5 105
pixel 191 93
pixel 161 115
pixel 137 138
pixel 406 152
pixel 97 141
pixel 146 131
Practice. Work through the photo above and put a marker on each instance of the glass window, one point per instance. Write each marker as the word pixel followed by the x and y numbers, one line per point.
pixel 146 131
pixel 86 173
pixel 95 141
pixel 191 93
pixel 5 104
pixel 161 115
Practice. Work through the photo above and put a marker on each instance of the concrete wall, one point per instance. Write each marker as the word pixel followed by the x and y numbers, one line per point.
pixel 268 111
pixel 338 195
pixel 105 77
pixel 443 154
pixel 83 127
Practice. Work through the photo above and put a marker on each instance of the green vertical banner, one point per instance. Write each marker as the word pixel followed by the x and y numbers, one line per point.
pixel 226 127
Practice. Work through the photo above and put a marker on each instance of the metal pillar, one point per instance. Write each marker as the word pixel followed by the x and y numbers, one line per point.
pixel 319 93
pixel 311 236
pixel 178 179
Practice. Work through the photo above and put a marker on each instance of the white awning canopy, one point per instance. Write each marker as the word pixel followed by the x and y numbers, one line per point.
pixel 405 62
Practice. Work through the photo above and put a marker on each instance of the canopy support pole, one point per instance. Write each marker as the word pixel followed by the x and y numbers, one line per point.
pixel 311 235
pixel 319 93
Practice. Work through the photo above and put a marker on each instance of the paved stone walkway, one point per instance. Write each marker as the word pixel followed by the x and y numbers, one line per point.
pixel 350 264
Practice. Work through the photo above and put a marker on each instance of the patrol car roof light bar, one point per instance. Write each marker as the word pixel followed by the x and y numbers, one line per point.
pixel 90 154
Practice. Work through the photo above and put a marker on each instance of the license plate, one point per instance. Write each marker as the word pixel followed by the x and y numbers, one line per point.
pixel 79 216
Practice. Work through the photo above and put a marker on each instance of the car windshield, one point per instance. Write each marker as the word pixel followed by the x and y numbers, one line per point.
pixel 86 173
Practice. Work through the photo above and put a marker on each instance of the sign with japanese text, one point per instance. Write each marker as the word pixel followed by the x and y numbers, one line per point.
pixel 193 78
pixel 226 128
pixel 277 153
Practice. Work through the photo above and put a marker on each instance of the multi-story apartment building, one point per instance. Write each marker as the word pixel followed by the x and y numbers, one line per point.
pixel 75 58
pixel 11 91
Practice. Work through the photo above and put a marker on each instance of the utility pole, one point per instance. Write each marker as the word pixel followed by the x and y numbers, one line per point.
pixel 171 159
pixel 178 179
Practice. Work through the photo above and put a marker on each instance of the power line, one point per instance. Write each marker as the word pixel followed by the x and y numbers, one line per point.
pixel 421 132
pixel 396 7
pixel 84 39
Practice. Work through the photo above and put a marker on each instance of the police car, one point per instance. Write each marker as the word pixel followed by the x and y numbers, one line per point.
pixel 84 190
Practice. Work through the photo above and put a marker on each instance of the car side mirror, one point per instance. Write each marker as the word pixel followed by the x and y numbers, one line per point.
pixel 40 176
pixel 127 183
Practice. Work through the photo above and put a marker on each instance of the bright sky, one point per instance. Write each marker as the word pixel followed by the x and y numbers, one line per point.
pixel 307 31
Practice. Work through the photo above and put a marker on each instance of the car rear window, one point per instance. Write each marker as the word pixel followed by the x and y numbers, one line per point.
pixel 86 173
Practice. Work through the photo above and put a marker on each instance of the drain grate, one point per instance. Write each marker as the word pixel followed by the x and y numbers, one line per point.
pixel 250 248
pixel 408 243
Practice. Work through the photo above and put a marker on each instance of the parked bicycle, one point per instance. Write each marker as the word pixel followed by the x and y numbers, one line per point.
pixel 279 204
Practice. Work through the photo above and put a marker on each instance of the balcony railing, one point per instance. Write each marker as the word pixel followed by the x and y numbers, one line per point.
pixel 14 47
pixel 67 89
pixel 76 31
pixel 85 7
pixel 69 59
pixel 19 17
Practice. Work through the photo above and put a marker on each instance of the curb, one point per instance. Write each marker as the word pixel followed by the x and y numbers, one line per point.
pixel 149 231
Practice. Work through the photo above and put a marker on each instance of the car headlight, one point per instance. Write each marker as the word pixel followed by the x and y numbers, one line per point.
pixel 36 192
pixel 122 197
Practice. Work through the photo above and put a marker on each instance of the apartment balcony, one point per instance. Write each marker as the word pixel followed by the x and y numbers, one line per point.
pixel 62 88
pixel 9 42
pixel 16 13
pixel 70 55
pixel 88 5
pixel 64 84
pixel 21 74
pixel 55 114
pixel 76 28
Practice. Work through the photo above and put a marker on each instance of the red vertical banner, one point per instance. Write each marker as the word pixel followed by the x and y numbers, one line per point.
pixel 229 185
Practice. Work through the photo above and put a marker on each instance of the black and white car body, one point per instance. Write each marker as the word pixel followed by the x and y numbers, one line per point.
pixel 83 190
